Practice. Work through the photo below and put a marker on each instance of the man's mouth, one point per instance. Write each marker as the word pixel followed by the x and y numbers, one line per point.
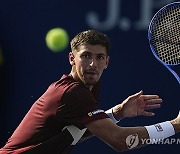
pixel 91 72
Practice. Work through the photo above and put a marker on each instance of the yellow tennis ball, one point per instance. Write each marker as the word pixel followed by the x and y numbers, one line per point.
pixel 57 39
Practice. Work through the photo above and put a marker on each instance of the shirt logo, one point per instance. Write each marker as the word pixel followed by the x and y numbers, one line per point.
pixel 95 112
pixel 90 114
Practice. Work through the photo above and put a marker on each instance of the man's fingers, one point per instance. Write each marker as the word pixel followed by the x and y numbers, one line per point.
pixel 154 101
pixel 154 106
pixel 147 97
pixel 145 113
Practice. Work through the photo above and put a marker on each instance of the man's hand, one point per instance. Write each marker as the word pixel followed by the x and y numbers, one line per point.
pixel 176 123
pixel 136 105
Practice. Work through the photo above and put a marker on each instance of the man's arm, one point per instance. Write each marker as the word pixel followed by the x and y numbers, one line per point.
pixel 117 137
pixel 114 135
pixel 134 105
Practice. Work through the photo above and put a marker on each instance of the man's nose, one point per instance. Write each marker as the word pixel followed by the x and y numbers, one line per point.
pixel 93 63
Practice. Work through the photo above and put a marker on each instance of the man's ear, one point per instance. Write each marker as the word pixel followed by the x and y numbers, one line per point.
pixel 71 58
pixel 107 62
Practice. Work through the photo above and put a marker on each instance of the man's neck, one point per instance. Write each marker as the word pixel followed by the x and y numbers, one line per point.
pixel 76 78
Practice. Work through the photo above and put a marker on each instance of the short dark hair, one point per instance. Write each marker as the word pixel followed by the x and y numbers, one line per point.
pixel 92 37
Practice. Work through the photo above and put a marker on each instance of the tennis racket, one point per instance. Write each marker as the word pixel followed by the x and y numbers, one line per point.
pixel 164 37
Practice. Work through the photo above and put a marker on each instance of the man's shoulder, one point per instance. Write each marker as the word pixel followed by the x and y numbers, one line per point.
pixel 66 82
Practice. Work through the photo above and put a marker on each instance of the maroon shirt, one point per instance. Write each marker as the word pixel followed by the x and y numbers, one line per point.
pixel 66 102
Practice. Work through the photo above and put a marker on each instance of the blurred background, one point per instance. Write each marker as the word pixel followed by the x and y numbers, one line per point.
pixel 27 66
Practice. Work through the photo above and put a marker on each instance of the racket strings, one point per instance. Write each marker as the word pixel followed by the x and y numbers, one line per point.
pixel 165 29
pixel 169 57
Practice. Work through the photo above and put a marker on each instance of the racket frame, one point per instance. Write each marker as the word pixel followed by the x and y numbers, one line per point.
pixel 168 66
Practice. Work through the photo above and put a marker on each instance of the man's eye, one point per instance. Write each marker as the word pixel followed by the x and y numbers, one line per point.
pixel 85 56
pixel 101 57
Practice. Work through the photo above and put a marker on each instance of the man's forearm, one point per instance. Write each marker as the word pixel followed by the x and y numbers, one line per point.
pixel 112 115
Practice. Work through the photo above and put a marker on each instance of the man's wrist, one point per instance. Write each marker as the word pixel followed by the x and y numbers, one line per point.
pixel 111 115
pixel 160 131
pixel 118 112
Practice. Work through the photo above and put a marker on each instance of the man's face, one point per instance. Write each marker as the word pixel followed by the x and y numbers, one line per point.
pixel 89 63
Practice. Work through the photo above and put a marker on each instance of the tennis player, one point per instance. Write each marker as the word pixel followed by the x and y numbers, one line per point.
pixel 68 111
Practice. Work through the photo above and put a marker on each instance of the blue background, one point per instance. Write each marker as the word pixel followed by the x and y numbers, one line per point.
pixel 29 66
